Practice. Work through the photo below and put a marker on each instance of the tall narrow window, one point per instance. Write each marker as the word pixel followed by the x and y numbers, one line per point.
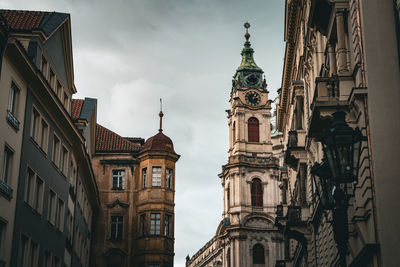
pixel 23 251
pixel 44 67
pixel 29 184
pixel 12 104
pixel 44 135
pixel 118 177
pixel 33 254
pixel 35 125
pixel 56 151
pixel 258 254
pixel 253 130
pixel 60 215
pixel 167 225
pixel 2 232
pixel 51 207
pixel 156 176
pixel 234 132
pixel 116 227
pixel 38 198
pixel 6 165
pixel 142 229
pixel 168 178
pixel 64 161
pixel 256 193
pixel 144 177
pixel 52 78
pixel 155 223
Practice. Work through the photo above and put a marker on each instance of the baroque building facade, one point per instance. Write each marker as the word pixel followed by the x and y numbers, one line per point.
pixel 340 55
pixel 247 235
pixel 136 180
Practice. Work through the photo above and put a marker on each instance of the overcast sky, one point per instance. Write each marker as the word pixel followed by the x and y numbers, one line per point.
pixel 130 53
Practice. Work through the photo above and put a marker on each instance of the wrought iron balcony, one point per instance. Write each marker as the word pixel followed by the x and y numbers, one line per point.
pixel 12 120
pixel 5 190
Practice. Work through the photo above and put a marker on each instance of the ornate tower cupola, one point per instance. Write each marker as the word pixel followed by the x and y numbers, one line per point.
pixel 249 114
pixel 248 74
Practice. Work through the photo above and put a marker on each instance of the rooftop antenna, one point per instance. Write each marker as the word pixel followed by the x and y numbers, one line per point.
pixel 161 114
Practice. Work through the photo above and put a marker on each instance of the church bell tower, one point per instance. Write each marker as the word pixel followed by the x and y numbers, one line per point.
pixel 249 180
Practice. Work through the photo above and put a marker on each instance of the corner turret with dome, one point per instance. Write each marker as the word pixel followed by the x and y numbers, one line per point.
pixel 156 199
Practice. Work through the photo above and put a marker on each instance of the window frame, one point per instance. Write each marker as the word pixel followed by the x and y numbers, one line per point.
pixel 118 179
pixel 119 227
pixel 142 224
pixel 156 176
pixel 7 164
pixel 55 152
pixel 155 223
pixel 169 174
pixel 144 178
pixel 256 193
pixel 253 130
pixel 258 254
pixel 168 224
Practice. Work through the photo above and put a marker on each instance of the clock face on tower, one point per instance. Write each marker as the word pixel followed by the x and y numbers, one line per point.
pixel 253 98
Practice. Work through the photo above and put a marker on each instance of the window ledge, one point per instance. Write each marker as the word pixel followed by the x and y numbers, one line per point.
pixel 12 120
pixel 6 190
pixel 117 188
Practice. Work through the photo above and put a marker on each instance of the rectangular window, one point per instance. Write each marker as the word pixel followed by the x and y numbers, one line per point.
pixel 38 195
pixel 60 215
pixel 142 229
pixel 168 178
pixel 144 177
pixel 118 177
pixel 33 254
pixel 23 251
pixel 52 78
pixel 51 207
pixel 29 185
pixel 64 161
pixel 66 101
pixel 56 151
pixel 7 160
pixel 59 89
pixel 12 104
pixel 44 67
pixel 116 227
pixel 35 125
pixel 2 232
pixel 156 176
pixel 47 259
pixel 155 223
pixel 44 135
pixel 167 224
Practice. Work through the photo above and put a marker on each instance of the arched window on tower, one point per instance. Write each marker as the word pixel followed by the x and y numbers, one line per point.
pixel 256 193
pixel 258 254
pixel 253 130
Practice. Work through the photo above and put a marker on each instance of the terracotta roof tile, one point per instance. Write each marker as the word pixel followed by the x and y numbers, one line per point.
pixel 23 20
pixel 108 141
pixel 77 105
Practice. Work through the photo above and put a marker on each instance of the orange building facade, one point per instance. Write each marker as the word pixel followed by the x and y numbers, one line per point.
pixel 135 223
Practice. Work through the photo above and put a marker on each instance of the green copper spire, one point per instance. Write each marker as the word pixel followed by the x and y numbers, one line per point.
pixel 248 74
pixel 247 54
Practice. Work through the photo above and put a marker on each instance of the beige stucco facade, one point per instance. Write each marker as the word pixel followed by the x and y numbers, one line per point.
pixel 340 55
pixel 10 139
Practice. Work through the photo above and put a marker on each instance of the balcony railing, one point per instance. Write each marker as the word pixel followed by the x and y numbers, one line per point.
pixel 292 139
pixel 12 120
pixel 327 88
pixel 5 190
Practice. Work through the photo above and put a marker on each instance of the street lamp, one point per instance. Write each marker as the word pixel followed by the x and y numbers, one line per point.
pixel 341 145
pixel 323 184
pixel 342 149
